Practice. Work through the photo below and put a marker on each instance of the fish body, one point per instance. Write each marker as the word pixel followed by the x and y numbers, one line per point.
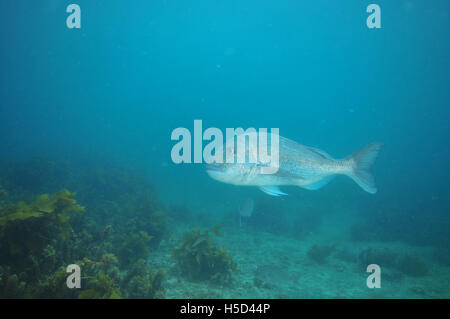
pixel 298 165
pixel 246 209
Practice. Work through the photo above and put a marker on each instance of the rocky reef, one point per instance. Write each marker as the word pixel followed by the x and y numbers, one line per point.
pixel 41 234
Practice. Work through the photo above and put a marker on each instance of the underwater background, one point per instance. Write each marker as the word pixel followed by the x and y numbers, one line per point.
pixel 86 175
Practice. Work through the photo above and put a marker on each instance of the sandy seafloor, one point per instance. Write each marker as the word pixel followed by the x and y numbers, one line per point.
pixel 251 248
pixel 336 278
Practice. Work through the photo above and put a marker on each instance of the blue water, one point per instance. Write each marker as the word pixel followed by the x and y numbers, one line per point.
pixel 111 93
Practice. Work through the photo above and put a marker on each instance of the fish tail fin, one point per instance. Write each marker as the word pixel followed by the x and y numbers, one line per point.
pixel 360 163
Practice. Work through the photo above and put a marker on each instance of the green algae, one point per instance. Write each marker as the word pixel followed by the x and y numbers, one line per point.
pixel 200 260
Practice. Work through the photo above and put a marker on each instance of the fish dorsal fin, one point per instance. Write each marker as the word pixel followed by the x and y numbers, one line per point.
pixel 321 183
pixel 272 190
pixel 321 153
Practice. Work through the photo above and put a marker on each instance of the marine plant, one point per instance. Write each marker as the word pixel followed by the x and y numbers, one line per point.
pixel 380 256
pixel 52 207
pixel 142 212
pixel 412 265
pixel 102 286
pixel 41 235
pixel 104 281
pixel 407 264
pixel 141 227
pixel 3 192
pixel 200 260
pixel 100 278
pixel 319 253
pixel 26 229
pixel 141 282
pixel 14 286
pixel 134 247
pixel 52 285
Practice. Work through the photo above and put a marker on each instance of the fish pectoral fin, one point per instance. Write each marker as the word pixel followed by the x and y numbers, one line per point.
pixel 321 183
pixel 272 190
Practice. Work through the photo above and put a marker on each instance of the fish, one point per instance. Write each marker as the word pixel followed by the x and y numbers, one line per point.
pixel 246 210
pixel 298 165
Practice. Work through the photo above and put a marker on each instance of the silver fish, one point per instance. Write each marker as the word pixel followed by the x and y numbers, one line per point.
pixel 299 165
pixel 246 209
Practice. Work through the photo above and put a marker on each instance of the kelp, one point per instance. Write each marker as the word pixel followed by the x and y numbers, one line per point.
pixel 200 260
pixel 102 287
pixel 102 280
pixel 134 247
pixel 142 229
pixel 52 206
pixel 141 282
pixel 26 229
pixel 40 236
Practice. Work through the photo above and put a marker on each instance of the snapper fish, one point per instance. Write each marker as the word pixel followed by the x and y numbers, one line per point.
pixel 298 165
